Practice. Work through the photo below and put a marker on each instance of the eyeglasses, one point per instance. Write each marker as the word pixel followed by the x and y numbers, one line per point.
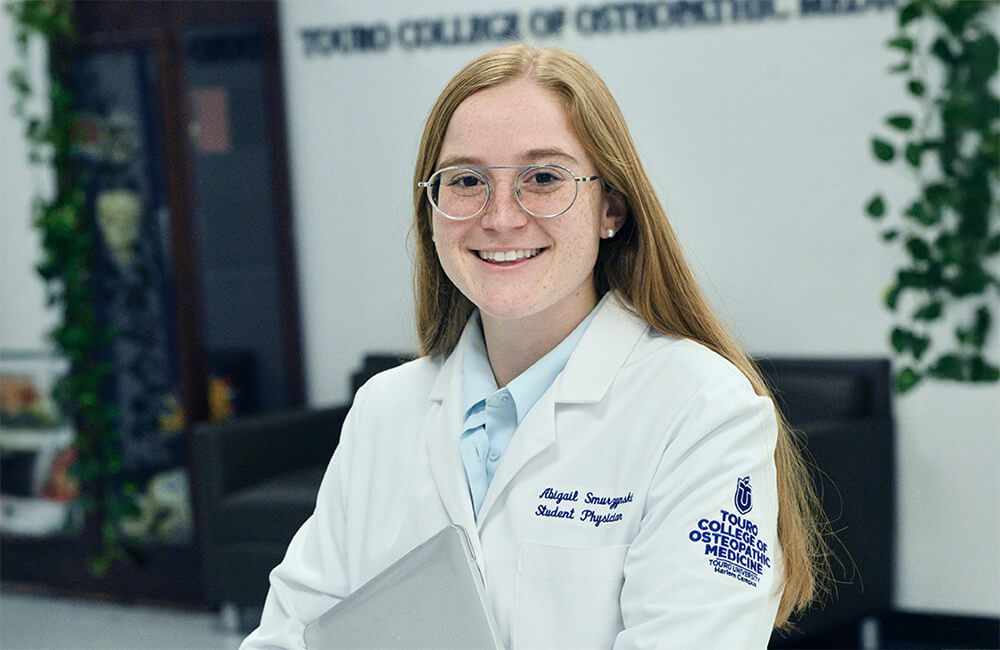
pixel 543 191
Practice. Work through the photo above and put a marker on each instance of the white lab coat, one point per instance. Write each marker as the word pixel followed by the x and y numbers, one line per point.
pixel 661 423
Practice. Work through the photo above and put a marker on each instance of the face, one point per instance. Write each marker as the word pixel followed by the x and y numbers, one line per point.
pixel 522 123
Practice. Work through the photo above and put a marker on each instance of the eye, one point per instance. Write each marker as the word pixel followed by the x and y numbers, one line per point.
pixel 465 181
pixel 543 179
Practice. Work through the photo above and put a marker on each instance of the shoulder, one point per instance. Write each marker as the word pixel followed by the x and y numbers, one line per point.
pixel 410 380
pixel 681 362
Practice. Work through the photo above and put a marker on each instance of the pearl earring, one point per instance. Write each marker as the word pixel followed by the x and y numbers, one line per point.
pixel 611 233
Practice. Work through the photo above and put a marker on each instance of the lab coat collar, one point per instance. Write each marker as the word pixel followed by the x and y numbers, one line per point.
pixel 588 374
pixel 600 354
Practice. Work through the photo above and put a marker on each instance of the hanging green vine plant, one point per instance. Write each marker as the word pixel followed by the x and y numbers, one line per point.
pixel 68 259
pixel 946 293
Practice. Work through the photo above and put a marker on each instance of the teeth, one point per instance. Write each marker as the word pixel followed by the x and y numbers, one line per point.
pixel 509 256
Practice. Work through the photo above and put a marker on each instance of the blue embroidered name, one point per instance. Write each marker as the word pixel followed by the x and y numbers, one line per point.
pixel 612 502
pixel 589 515
pixel 559 497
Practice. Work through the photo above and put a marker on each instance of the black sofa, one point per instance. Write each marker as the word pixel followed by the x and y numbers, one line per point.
pixel 842 409
pixel 256 482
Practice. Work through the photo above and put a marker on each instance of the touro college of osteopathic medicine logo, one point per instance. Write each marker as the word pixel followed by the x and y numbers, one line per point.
pixel 743 498
pixel 732 541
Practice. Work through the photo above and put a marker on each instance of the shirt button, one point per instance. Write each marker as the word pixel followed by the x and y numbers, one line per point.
pixel 494 455
pixel 505 398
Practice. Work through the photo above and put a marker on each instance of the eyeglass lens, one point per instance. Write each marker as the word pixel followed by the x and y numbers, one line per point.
pixel 461 193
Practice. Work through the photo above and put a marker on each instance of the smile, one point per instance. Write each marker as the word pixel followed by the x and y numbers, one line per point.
pixel 508 256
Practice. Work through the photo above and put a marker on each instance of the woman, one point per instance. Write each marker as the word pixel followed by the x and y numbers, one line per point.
pixel 579 409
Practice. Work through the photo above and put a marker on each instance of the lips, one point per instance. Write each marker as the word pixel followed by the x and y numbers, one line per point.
pixel 508 256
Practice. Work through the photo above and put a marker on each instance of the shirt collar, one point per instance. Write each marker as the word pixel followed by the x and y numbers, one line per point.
pixel 526 389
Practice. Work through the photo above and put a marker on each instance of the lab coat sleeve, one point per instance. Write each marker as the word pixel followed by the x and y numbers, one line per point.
pixel 688 581
pixel 313 576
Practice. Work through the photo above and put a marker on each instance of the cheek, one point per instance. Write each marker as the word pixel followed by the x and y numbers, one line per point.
pixel 447 237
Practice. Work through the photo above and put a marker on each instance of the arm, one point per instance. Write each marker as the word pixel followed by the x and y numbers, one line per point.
pixel 699 573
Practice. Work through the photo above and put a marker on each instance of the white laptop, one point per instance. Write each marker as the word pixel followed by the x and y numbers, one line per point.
pixel 432 597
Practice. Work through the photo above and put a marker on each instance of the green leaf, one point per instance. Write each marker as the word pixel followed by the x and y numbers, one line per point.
pixel 909 13
pixel 950 247
pixel 993 245
pixel 899 67
pixel 970 280
pixel 901 121
pixel 918 248
pixel 900 340
pixel 929 312
pixel 890 235
pixel 982 370
pixel 936 193
pixel 906 379
pixel 982 55
pixel 942 51
pixel 903 43
pixel 918 212
pixel 975 335
pixel 916 88
pixel 891 296
pixel 906 341
pixel 948 366
pixel 876 207
pixel 913 152
pixel 883 150
pixel 982 325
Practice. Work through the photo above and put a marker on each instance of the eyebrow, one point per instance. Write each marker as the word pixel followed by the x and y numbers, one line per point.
pixel 531 156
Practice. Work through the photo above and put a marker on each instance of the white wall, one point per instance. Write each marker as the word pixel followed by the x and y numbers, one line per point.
pixel 23 316
pixel 756 138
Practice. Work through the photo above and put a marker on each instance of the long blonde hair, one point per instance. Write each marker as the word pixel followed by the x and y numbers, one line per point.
pixel 643 264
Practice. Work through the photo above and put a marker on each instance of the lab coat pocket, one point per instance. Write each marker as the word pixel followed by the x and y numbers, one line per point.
pixel 568 597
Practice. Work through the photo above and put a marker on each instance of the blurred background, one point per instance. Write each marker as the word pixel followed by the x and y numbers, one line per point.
pixel 247 173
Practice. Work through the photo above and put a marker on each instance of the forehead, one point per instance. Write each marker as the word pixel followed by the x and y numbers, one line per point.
pixel 509 124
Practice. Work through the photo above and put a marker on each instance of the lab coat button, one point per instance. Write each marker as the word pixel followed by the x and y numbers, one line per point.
pixel 494 455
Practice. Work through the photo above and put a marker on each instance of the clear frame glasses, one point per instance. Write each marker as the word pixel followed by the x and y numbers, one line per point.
pixel 543 191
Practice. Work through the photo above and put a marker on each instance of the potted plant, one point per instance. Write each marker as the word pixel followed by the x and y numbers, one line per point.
pixel 945 293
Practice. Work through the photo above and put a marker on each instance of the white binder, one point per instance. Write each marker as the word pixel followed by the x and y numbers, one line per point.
pixel 432 597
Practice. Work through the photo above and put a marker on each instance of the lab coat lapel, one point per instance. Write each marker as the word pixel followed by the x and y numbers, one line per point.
pixel 600 354
pixel 535 433
pixel 588 374
pixel 441 431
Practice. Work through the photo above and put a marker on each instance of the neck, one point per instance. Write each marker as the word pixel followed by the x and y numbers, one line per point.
pixel 515 345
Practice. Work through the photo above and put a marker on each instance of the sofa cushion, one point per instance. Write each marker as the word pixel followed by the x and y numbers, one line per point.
pixel 270 511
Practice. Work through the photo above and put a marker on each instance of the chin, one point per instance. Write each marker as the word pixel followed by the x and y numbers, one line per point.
pixel 505 312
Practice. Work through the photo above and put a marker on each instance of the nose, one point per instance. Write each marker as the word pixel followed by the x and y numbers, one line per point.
pixel 503 213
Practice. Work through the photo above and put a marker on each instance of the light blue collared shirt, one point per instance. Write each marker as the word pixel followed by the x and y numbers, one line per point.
pixel 491 414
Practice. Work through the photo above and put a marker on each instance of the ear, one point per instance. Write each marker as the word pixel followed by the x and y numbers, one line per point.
pixel 615 213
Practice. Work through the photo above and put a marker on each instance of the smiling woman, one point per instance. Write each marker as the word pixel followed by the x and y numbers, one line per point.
pixel 567 352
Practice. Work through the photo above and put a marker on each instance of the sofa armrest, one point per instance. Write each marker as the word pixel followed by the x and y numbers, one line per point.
pixel 243 451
